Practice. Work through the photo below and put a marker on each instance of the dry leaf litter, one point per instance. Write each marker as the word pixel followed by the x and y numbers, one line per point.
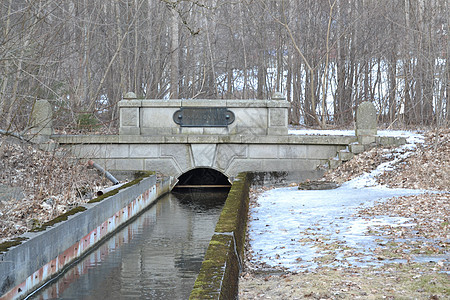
pixel 46 185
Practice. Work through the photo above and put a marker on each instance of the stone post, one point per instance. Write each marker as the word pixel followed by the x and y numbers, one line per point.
pixel 130 96
pixel 41 121
pixel 278 115
pixel 129 113
pixel 366 123
pixel 278 96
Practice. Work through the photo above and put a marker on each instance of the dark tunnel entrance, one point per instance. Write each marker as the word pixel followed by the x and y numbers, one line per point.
pixel 203 177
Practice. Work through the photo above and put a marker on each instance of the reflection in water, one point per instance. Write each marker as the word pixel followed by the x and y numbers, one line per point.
pixel 158 256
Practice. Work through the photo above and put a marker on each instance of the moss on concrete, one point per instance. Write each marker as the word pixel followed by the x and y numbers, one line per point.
pixel 78 209
pixel 60 218
pixel 12 243
pixel 217 267
pixel 218 277
pixel 115 191
pixel 234 214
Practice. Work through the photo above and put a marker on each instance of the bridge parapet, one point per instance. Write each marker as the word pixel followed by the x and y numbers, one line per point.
pixel 203 117
pixel 229 136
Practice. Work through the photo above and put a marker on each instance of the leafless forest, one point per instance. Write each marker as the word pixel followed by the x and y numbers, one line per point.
pixel 326 56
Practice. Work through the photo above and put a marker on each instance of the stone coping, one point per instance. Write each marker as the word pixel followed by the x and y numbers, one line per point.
pixel 204 103
pixel 205 139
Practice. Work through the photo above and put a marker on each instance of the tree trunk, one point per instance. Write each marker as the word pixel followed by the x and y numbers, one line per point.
pixel 262 73
pixel 212 83
pixel 3 97
pixel 174 55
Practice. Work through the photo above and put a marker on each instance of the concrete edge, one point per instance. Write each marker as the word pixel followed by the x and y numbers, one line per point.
pixel 44 255
pixel 219 275
pixel 202 139
pixel 203 102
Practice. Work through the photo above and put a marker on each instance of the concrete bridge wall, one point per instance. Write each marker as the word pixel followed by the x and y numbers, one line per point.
pixel 175 155
pixel 230 136
pixel 155 117
pixel 253 137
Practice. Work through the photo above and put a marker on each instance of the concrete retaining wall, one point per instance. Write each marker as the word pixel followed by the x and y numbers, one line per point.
pixel 219 274
pixel 45 254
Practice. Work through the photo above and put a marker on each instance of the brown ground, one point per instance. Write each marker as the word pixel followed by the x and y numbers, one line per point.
pixel 50 183
pixel 427 168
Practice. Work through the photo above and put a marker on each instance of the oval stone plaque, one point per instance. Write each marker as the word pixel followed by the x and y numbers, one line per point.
pixel 203 117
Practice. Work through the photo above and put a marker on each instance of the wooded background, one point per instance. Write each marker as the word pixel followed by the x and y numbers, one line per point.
pixel 326 56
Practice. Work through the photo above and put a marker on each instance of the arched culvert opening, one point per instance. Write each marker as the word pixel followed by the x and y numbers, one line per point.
pixel 203 177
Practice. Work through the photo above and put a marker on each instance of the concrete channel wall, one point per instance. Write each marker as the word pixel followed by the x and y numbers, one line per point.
pixel 219 274
pixel 44 254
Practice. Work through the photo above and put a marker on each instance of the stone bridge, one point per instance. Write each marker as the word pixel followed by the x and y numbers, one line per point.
pixel 175 137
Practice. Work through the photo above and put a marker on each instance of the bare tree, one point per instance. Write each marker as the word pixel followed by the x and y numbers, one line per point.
pixel 326 55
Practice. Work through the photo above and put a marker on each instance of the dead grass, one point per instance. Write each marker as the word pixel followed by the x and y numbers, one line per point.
pixel 51 183
pixel 414 281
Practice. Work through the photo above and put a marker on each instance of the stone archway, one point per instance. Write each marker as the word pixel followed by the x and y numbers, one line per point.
pixel 203 177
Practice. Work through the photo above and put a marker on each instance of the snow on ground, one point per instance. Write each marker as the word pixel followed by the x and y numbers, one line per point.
pixel 300 229
pixel 321 132
pixel 411 137
pixel 295 229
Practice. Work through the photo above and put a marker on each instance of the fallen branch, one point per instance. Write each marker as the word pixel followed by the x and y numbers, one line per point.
pixel 13 134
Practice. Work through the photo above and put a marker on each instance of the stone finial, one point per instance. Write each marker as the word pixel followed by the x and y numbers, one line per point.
pixel 41 118
pixel 278 96
pixel 366 119
pixel 130 96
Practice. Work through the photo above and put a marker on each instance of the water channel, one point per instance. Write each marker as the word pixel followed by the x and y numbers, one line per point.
pixel 158 256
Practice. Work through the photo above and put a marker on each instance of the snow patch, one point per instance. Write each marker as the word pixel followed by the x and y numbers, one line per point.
pixel 288 223
pixel 411 137
pixel 296 229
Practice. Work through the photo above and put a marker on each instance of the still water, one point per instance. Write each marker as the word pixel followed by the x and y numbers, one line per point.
pixel 158 256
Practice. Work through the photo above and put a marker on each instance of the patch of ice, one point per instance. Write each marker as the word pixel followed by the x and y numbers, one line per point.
pixel 399 154
pixel 411 137
pixel 288 223
pixel 361 226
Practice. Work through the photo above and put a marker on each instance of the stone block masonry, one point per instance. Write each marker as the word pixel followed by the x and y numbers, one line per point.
pixel 230 155
pixel 155 117
pixel 41 121
pixel 366 121
pixel 230 136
